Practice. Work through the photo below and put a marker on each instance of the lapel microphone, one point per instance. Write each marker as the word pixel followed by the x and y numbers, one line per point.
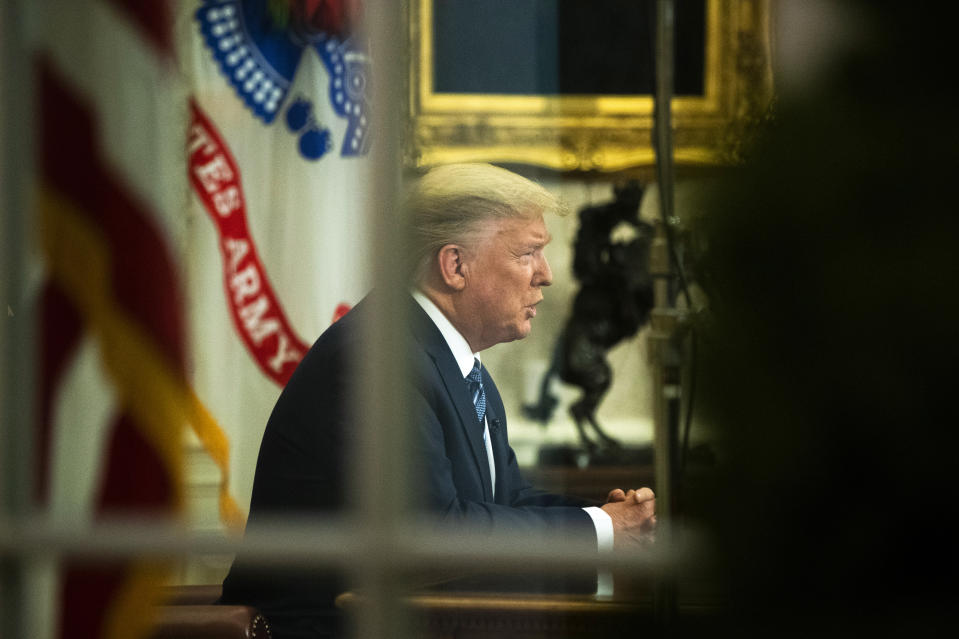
pixel 494 425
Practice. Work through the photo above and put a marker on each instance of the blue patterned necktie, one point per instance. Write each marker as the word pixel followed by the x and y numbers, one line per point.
pixel 475 382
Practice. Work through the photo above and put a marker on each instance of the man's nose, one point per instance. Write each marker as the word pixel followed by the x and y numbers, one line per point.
pixel 544 275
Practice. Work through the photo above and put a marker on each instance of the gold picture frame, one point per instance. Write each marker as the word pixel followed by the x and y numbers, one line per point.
pixel 600 133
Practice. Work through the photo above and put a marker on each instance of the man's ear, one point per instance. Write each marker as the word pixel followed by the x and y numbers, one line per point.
pixel 450 259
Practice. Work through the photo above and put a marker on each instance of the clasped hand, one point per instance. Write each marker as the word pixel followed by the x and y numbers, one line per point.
pixel 634 517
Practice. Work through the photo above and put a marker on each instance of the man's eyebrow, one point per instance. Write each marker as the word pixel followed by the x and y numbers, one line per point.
pixel 536 243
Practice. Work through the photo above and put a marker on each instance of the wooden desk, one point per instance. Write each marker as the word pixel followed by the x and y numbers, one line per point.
pixel 515 616
pixel 590 483
pixel 469 614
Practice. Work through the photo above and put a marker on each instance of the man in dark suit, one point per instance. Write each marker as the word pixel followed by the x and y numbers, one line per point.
pixel 478 240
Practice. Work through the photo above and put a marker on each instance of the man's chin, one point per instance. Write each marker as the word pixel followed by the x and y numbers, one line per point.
pixel 515 332
pixel 524 329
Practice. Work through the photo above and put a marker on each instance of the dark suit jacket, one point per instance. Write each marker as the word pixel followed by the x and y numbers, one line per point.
pixel 301 464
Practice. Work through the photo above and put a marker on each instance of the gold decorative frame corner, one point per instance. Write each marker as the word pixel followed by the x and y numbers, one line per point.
pixel 593 132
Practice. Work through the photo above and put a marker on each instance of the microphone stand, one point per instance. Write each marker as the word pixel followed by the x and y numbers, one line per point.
pixel 665 347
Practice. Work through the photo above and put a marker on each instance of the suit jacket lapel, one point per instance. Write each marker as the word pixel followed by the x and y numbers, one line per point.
pixel 457 389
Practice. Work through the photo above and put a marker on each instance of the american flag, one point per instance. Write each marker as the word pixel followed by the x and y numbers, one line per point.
pixel 113 396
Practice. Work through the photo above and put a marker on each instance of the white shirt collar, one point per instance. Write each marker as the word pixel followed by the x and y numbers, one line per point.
pixel 454 339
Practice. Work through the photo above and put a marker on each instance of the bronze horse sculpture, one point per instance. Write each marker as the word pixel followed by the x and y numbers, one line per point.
pixel 615 297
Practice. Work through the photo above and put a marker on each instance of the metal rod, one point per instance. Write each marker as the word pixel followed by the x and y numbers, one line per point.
pixel 325 543
pixel 666 389
pixel 16 338
pixel 380 461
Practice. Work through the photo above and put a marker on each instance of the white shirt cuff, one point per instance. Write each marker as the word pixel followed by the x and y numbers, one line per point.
pixel 604 543
pixel 604 528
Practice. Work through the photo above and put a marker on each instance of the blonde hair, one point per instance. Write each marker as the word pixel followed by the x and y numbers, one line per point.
pixel 449 203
